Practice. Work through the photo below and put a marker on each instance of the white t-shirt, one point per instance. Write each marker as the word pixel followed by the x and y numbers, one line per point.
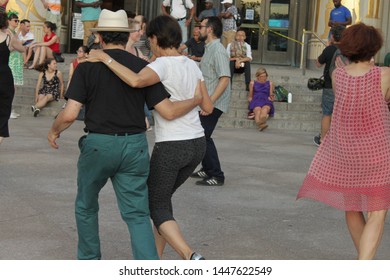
pixel 178 10
pixel 28 36
pixel 180 76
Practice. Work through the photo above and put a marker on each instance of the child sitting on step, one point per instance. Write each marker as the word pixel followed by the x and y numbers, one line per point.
pixel 261 97
pixel 53 85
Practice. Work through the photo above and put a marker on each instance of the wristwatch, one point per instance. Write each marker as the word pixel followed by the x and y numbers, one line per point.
pixel 109 61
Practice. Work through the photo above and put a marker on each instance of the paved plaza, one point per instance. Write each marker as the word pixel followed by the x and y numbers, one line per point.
pixel 253 216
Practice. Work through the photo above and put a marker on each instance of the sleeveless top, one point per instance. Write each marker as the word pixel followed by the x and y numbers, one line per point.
pixel 351 169
pixel 5 72
pixel 55 47
pixel 51 86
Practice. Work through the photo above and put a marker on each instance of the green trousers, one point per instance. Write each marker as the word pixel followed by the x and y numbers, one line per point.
pixel 125 160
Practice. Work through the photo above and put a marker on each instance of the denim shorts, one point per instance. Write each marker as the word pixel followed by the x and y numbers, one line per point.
pixel 327 101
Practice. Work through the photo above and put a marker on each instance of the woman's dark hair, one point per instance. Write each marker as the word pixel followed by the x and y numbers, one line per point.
pixel 12 16
pixel 52 26
pixel 43 67
pixel 216 24
pixel 337 32
pixel 3 20
pixel 115 38
pixel 167 31
pixel 85 49
pixel 360 42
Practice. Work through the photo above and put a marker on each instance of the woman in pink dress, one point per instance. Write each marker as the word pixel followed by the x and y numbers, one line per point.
pixel 351 169
pixel 50 44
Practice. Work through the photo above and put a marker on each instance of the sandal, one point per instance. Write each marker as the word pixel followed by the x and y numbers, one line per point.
pixel 251 116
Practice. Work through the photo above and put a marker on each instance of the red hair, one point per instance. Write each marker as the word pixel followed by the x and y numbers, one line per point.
pixel 360 42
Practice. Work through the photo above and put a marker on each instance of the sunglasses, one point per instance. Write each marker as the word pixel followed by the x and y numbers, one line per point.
pixel 15 20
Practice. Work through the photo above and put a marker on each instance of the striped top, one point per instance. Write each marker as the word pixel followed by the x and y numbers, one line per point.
pixel 214 65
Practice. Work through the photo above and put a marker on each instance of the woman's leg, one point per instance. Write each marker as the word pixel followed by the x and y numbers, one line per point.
pixel 372 234
pixel 355 222
pixel 43 100
pixel 36 57
pixel 257 112
pixel 170 231
pixel 160 242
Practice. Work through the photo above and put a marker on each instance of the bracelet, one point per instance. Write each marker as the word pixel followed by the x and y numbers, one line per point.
pixel 109 61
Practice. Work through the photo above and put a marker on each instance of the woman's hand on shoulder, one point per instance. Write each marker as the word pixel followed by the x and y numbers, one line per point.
pixel 97 56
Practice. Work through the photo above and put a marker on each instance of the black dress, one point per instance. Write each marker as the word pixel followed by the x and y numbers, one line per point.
pixel 7 90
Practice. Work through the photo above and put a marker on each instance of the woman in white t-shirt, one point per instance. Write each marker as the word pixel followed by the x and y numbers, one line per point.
pixel 180 143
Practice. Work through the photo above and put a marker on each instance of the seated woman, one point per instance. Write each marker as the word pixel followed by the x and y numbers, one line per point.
pixel 53 85
pixel 50 44
pixel 82 54
pixel 261 97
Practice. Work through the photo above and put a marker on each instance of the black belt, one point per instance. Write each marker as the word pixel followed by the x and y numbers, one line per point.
pixel 180 19
pixel 113 134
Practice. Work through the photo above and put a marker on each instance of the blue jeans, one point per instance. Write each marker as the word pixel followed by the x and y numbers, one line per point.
pixel 124 160
pixel 327 101
pixel 184 30
pixel 210 162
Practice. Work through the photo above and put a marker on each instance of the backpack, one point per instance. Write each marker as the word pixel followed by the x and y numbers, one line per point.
pixel 280 94
pixel 337 59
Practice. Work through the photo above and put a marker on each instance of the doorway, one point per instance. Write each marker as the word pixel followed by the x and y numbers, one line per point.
pixel 267 24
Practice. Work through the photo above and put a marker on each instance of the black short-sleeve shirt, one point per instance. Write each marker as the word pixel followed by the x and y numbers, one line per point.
pixel 111 105
pixel 326 58
pixel 195 48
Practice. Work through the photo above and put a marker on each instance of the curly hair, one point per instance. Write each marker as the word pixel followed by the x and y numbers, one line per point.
pixel 360 42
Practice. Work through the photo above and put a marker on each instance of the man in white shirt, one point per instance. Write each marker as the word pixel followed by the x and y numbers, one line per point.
pixel 27 38
pixel 179 12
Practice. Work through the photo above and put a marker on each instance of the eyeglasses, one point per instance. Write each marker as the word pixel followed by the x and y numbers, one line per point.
pixel 15 20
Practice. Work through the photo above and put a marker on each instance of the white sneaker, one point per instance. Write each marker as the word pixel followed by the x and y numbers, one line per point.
pixel 13 115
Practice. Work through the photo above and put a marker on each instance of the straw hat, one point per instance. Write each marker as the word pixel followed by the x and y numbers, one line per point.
pixel 112 21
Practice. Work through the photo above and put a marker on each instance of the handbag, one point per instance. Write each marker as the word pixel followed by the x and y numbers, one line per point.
pixel 316 83
pixel 58 57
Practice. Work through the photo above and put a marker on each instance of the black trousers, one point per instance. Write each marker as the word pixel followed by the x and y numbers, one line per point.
pixel 246 69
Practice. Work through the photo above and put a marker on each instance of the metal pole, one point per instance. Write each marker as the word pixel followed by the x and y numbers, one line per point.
pixel 303 57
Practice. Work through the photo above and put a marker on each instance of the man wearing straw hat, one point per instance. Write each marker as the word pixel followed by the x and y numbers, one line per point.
pixel 115 147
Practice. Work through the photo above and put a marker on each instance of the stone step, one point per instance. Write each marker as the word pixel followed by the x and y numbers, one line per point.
pixel 292 125
pixel 51 110
pixel 303 114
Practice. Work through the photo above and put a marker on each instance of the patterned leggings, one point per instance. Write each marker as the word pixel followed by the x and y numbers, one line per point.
pixel 171 164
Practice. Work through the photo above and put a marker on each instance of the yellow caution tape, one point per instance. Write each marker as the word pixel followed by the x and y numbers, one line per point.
pixel 266 29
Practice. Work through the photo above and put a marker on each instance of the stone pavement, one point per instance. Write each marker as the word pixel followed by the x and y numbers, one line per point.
pixel 253 216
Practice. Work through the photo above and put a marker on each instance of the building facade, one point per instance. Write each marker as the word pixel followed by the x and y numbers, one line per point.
pixel 274 28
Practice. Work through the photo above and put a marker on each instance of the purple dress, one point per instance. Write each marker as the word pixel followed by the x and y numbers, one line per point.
pixel 260 97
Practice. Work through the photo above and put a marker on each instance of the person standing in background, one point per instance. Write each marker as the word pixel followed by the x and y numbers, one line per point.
pixel 179 12
pixel 15 58
pixel 227 16
pixel 340 15
pixel 90 11
pixel 53 13
pixel 7 89
pixel 208 12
